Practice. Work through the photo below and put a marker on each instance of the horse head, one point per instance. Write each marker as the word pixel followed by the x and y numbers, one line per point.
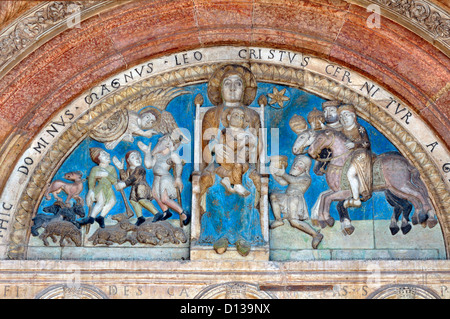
pixel 304 139
pixel 323 139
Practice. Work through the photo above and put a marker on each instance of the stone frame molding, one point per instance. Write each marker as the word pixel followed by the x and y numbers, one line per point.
pixel 312 79
pixel 40 24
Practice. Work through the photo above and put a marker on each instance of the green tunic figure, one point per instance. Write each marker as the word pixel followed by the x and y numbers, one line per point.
pixel 101 197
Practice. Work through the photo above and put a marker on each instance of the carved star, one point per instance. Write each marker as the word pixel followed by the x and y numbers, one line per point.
pixel 278 97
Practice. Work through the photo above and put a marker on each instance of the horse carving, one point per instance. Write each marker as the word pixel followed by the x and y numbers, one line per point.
pixel 394 175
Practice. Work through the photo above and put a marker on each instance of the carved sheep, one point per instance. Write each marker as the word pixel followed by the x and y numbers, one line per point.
pixel 160 233
pixel 115 234
pixel 64 229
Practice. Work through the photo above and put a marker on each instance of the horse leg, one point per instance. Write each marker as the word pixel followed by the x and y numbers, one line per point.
pixel 409 195
pixel 427 206
pixel 419 215
pixel 317 216
pixel 391 199
pixel 344 218
pixel 401 207
pixel 326 203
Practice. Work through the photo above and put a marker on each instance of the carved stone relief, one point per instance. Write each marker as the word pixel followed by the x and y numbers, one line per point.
pixel 65 292
pixel 404 292
pixel 116 137
pixel 233 290
pixel 41 20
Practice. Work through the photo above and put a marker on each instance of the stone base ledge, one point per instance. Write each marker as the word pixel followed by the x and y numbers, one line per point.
pixel 221 279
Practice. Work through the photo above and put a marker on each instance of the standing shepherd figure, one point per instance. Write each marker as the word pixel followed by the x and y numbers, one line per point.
pixel 100 197
pixel 135 176
pixel 166 187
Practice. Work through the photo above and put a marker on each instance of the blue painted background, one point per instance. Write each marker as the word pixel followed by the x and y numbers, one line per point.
pixel 183 110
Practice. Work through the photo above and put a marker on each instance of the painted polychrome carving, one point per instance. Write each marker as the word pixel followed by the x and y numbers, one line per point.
pixel 257 167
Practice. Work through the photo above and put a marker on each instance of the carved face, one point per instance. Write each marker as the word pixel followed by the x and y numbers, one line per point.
pixel 134 159
pixel 331 114
pixel 347 118
pixel 147 120
pixel 165 145
pixel 104 157
pixel 236 118
pixel 232 89
pixel 298 168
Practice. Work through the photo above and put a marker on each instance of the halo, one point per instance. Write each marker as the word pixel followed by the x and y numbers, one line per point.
pixel 215 83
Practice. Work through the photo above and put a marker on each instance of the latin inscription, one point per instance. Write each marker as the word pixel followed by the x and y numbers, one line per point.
pixel 299 60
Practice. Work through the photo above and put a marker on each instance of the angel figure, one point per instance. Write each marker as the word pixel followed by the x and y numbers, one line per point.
pixel 146 116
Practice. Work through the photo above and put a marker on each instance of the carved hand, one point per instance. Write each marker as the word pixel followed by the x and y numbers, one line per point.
pixel 149 133
pixel 144 148
pixel 178 184
pixel 120 186
pixel 350 145
pixel 118 163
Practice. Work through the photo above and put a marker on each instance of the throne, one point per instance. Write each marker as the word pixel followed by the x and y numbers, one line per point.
pixel 200 205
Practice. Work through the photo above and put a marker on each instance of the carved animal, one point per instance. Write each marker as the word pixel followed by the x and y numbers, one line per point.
pixel 58 213
pixel 400 178
pixel 160 233
pixel 66 230
pixel 70 213
pixel 73 190
pixel 115 234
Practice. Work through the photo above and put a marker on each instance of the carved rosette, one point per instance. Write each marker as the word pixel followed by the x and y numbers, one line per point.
pixel 324 87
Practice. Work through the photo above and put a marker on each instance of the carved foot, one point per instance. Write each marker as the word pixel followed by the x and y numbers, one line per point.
pixel 351 202
pixel 221 246
pixel 317 239
pixel 243 248
pixel 276 223
pixel 140 221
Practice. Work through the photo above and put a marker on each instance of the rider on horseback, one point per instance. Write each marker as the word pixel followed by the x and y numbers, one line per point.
pixel 359 173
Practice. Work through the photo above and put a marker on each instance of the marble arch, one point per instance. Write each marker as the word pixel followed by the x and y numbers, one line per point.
pixel 60 65
pixel 93 108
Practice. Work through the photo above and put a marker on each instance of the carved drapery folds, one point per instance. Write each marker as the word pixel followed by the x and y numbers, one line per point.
pixel 317 84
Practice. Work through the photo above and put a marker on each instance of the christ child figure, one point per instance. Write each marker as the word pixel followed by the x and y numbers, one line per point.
pixel 238 149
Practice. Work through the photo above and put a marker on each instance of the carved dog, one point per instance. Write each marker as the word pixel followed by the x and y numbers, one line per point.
pixel 58 213
pixel 115 234
pixel 73 190
pixel 64 229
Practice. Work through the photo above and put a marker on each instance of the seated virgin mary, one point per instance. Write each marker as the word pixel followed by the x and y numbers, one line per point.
pixel 231 214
